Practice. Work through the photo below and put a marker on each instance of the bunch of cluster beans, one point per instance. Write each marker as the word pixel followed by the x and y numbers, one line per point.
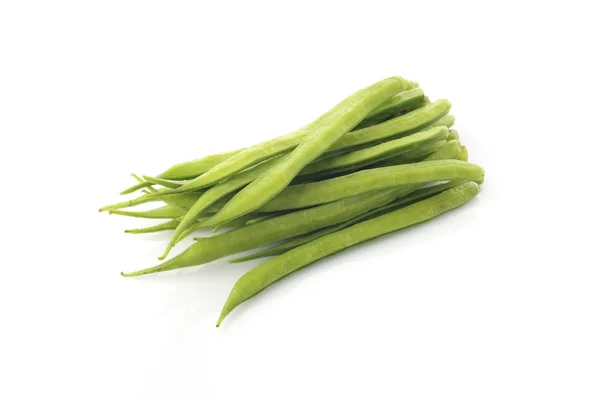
pixel 381 160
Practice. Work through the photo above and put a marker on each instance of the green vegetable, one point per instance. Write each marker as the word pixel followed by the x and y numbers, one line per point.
pixel 298 241
pixel 309 194
pixel 162 212
pixel 276 268
pixel 334 125
pixel 165 226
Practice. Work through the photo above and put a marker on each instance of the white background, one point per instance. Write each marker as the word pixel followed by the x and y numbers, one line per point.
pixel 499 299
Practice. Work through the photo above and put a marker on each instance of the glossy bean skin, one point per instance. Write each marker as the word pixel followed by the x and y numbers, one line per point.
pixel 400 104
pixel 374 154
pixel 309 194
pixel 217 192
pixel 278 267
pixel 161 212
pixel 253 236
pixel 298 241
pixel 332 127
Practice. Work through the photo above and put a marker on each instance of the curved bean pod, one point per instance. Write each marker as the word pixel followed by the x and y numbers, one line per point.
pixel 407 123
pixel 279 145
pixel 194 168
pixel 337 123
pixel 186 170
pixel 276 268
pixel 161 212
pixel 168 183
pixel 216 193
pixel 371 155
pixel 401 103
pixel 247 237
pixel 415 155
pixel 136 187
pixel 165 226
pixel 250 237
pixel 295 242
pixel 309 194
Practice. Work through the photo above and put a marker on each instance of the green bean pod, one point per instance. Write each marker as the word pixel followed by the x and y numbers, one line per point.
pixel 400 104
pixel 393 128
pixel 161 212
pixel 372 155
pixel 343 117
pixel 276 268
pixel 414 156
pixel 183 200
pixel 262 233
pixel 310 194
pixel 168 183
pixel 186 170
pixel 298 241
pixel 165 226
pixel 247 237
pixel 271 148
pixel 216 193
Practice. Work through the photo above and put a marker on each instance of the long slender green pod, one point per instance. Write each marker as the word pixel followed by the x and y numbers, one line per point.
pixel 165 226
pixel 216 193
pixel 309 194
pixel 181 200
pixel 393 128
pixel 276 268
pixel 168 183
pixel 341 120
pixel 371 155
pixel 248 237
pixel 136 187
pixel 186 170
pixel 413 156
pixel 400 104
pixel 279 145
pixel 161 212
pixel 253 236
pixel 298 241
